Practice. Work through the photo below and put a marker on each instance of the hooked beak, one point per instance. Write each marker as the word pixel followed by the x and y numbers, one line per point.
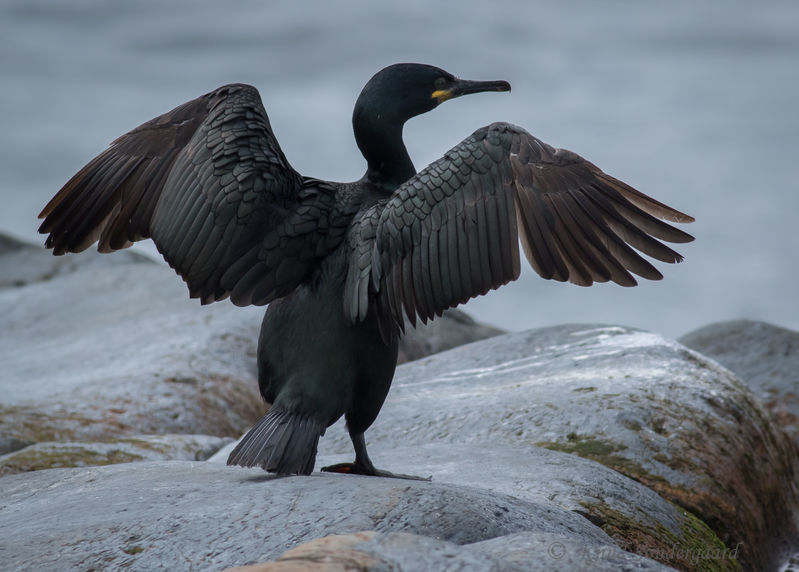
pixel 465 87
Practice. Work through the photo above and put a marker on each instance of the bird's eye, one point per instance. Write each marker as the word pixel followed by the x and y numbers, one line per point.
pixel 440 83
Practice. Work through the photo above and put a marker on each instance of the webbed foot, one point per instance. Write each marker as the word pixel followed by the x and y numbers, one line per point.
pixel 369 470
pixel 363 465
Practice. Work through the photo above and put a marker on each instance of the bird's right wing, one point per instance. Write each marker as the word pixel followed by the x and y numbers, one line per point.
pixel 452 231
pixel 210 185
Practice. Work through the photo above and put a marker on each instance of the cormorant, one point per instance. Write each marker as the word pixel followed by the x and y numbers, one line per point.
pixel 342 265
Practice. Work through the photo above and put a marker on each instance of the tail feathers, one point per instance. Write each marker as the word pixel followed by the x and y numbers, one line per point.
pixel 282 442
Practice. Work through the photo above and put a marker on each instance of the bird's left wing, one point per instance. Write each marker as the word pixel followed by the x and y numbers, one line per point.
pixel 452 232
pixel 210 185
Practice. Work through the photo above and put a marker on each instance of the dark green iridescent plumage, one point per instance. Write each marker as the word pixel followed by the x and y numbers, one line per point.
pixel 343 265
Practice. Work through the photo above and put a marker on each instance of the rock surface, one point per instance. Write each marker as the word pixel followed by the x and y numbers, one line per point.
pixel 574 447
pixel 123 450
pixel 520 552
pixel 119 351
pixel 180 515
pixel 635 517
pixel 633 401
pixel 764 356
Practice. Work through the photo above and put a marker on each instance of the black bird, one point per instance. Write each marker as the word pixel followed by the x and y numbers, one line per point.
pixel 342 265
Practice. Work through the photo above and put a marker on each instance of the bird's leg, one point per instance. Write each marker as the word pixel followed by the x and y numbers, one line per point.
pixel 363 464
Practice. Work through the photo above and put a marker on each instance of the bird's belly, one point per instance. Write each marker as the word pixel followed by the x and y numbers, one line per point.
pixel 309 359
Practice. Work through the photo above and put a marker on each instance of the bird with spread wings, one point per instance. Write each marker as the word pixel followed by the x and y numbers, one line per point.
pixel 344 265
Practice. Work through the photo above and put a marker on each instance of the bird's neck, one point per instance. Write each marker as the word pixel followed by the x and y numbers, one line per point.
pixel 380 142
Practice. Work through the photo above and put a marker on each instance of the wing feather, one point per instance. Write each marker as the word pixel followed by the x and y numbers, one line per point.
pixel 583 268
pixel 591 240
pixel 210 185
pixel 462 246
pixel 452 231
pixel 435 271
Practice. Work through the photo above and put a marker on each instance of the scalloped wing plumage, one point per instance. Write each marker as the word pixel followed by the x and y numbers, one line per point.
pixel 210 185
pixel 452 232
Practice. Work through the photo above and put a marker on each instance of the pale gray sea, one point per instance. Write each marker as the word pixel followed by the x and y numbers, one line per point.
pixel 693 102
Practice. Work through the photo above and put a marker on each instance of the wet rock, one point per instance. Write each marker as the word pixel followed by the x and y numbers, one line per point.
pixel 181 515
pixel 636 402
pixel 612 441
pixel 118 351
pixel 634 516
pixel 521 552
pixel 369 550
pixel 764 356
pixel 553 552
pixel 123 450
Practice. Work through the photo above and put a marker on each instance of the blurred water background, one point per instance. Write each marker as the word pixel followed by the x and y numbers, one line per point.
pixel 694 103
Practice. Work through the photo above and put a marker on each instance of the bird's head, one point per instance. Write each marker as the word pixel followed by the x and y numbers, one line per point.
pixel 388 100
pixel 401 91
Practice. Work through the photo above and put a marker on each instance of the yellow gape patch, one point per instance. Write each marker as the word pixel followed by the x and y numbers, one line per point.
pixel 442 95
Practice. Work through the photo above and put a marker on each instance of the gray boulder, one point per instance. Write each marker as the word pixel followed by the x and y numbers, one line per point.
pixel 180 515
pixel 633 401
pixel 635 517
pixel 119 351
pixel 764 356
pixel 609 444
pixel 519 552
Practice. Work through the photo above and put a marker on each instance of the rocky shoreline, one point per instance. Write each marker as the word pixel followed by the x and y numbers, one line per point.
pixel 565 448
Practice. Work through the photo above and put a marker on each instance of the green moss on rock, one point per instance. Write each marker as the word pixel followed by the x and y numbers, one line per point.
pixel 696 548
pixel 588 447
pixel 35 459
pixel 26 424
